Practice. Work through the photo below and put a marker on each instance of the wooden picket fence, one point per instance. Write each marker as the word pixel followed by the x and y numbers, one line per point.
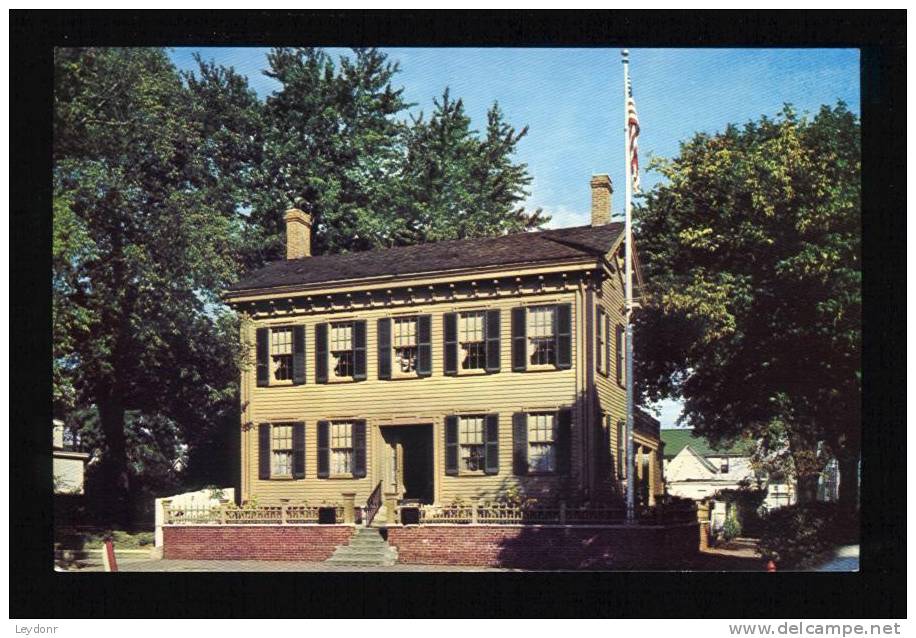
pixel 511 514
pixel 229 514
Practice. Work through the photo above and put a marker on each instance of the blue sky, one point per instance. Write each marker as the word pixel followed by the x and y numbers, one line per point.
pixel 572 101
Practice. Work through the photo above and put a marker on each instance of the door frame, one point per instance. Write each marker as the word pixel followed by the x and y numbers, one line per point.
pixel 379 445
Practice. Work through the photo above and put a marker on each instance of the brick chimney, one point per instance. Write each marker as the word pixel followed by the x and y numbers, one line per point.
pixel 298 234
pixel 601 199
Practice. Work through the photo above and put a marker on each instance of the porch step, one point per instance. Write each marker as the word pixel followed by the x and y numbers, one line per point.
pixel 366 548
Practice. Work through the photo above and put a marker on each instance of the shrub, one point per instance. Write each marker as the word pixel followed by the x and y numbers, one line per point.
pixel 795 534
pixel 732 528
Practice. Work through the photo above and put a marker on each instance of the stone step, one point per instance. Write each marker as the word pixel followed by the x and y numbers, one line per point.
pixel 367 547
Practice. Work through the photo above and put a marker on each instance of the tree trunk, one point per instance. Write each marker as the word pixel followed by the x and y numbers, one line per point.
pixel 113 499
pixel 806 488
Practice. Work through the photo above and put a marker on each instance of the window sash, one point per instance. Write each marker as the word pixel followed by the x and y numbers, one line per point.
pixel 471 442
pixel 540 321
pixel 341 448
pixel 281 447
pixel 341 337
pixel 542 434
pixel 405 333
pixel 281 341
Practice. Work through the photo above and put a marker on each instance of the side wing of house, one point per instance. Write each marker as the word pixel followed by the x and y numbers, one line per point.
pixel 608 340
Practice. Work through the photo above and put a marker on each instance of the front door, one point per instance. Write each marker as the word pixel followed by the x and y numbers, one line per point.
pixel 409 461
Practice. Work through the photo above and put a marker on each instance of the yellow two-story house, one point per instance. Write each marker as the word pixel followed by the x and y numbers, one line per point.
pixel 441 372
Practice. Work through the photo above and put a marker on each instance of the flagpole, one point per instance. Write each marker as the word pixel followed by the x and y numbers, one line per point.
pixel 628 306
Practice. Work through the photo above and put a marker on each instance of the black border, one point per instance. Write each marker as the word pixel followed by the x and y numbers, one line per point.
pixel 877 592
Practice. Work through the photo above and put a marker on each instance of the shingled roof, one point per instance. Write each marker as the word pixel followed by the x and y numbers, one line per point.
pixel 519 248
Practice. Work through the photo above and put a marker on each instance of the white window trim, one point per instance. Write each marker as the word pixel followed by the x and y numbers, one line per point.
pixel 483 327
pixel 331 360
pixel 332 473
pixel 396 372
pixel 289 474
pixel 530 347
pixel 462 470
pixel 272 379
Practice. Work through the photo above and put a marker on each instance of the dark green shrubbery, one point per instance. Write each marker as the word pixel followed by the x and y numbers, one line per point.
pixel 796 534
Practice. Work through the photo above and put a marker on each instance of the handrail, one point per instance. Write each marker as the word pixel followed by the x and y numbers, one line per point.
pixel 373 503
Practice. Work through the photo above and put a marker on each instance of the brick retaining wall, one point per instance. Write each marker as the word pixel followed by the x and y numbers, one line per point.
pixel 254 542
pixel 547 546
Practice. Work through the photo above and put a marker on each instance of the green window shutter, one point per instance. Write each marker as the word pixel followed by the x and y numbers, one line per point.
pixel 424 346
pixel 564 439
pixel 359 449
pixel 491 449
pixel 491 336
pixel 618 348
pixel 383 334
pixel 608 346
pixel 324 461
pixel 263 355
pixel 451 445
pixel 599 327
pixel 520 443
pixel 299 450
pixel 298 355
pixel 264 451
pixel 563 335
pixel 321 353
pixel 450 334
pixel 519 340
pixel 359 350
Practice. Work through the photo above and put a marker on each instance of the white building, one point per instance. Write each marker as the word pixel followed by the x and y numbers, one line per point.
pixel 68 466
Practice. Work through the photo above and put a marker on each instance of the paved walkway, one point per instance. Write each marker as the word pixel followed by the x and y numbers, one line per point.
pixel 845 559
pixel 132 564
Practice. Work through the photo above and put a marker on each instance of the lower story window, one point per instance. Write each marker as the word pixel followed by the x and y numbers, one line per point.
pixel 470 439
pixel 281 446
pixel 341 448
pixel 542 453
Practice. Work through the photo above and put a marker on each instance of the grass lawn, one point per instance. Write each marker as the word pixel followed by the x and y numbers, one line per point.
pixel 121 539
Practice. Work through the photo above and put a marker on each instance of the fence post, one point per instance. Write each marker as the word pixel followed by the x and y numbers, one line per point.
pixel 222 513
pixel 474 515
pixel 349 504
pixel 391 504
pixel 562 512
pixel 283 513
pixel 167 511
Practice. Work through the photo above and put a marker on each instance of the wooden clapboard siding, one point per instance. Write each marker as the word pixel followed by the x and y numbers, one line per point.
pixel 414 400
pixel 612 397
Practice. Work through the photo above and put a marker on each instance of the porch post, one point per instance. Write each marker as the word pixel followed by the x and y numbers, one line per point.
pixel 653 462
pixel 349 508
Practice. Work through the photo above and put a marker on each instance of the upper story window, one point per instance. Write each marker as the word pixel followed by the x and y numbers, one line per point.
pixel 341 448
pixel 620 347
pixel 541 341
pixel 471 442
pixel 281 354
pixel 341 347
pixel 472 341
pixel 601 331
pixel 405 345
pixel 281 450
pixel 542 431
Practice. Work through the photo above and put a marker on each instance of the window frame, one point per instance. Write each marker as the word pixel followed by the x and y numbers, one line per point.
pixel 333 377
pixel 480 346
pixel 481 423
pixel 272 379
pixel 332 450
pixel 601 350
pixel 396 371
pixel 551 444
pixel 551 339
pixel 621 358
pixel 274 450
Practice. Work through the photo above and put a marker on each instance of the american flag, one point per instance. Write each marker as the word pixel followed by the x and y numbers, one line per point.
pixel 633 130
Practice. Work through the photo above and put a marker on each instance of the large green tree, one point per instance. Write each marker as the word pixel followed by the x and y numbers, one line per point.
pixel 147 228
pixel 751 250
pixel 339 140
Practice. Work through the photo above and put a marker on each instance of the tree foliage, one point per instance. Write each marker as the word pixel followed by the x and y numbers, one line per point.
pixel 147 233
pixel 339 141
pixel 751 247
